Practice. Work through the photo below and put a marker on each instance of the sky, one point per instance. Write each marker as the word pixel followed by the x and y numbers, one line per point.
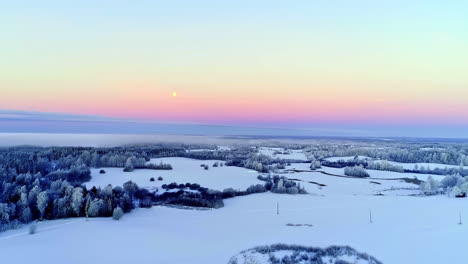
pixel 383 67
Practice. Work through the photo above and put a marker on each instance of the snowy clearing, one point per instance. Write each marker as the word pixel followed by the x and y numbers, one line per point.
pixel 347 185
pixel 184 170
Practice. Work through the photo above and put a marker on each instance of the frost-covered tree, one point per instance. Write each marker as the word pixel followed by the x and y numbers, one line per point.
pixel 77 200
pixel 95 207
pixel 117 213
pixel 129 165
pixel 430 186
pixel 26 215
pixel 451 181
pixel 33 193
pixel 42 201
pixel 4 214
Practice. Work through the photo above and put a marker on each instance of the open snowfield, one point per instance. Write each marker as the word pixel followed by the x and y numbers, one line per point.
pixel 184 170
pixel 379 182
pixel 377 174
pixel 404 230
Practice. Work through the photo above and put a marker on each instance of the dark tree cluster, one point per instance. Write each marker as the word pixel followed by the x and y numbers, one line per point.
pixel 203 198
pixel 38 183
pixel 344 163
pixel 279 184
pixel 160 166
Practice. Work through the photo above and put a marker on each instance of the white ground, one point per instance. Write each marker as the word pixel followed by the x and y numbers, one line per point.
pixel 184 170
pixel 352 186
pixel 293 154
pixel 378 174
pixel 405 229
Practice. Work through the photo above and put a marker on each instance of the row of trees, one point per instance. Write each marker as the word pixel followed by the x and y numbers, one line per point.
pixel 406 152
pixel 384 165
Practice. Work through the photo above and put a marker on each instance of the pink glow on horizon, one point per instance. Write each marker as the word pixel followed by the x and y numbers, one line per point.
pixel 264 110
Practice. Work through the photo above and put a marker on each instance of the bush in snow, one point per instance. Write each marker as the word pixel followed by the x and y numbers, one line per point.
pixel 356 171
pixel 315 165
pixel 152 179
pixel 451 181
pixel 160 178
pixel 117 213
pixel 32 229
pixel 259 188
pixel 102 171
pixel 129 165
pixel 455 191
pixel 464 187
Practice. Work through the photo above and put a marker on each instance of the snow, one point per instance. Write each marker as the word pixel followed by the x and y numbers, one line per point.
pixel 344 186
pixel 404 229
pixel 420 229
pixel 293 154
pixel 184 170
pixel 409 166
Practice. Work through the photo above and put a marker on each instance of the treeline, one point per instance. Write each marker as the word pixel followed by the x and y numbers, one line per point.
pixel 47 160
pixel 386 166
pixel 405 152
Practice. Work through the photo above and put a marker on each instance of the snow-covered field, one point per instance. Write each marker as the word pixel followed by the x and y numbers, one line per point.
pixel 292 154
pixel 380 182
pixel 404 230
pixel 184 170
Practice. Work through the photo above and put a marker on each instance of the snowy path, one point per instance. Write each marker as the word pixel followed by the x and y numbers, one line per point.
pixel 41 229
